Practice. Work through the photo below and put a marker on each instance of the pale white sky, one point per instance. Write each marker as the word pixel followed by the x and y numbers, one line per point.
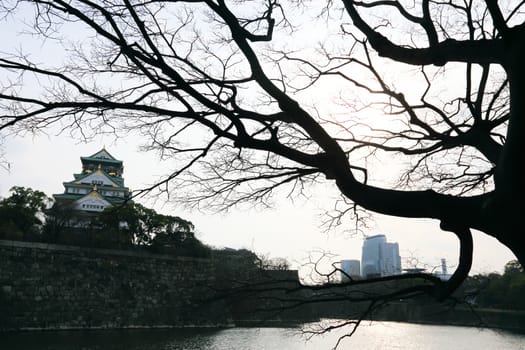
pixel 290 230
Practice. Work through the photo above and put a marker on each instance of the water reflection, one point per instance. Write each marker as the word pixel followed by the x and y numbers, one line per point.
pixel 378 335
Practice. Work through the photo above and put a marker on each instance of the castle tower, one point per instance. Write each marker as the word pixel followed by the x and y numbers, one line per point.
pixel 98 186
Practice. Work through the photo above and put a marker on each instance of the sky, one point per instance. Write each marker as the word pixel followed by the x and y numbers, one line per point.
pixel 290 229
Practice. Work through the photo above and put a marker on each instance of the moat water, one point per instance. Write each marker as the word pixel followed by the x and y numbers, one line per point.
pixel 376 336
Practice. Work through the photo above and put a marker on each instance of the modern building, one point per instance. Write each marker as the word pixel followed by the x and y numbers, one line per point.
pixel 379 257
pixel 350 269
pixel 98 186
pixel 443 275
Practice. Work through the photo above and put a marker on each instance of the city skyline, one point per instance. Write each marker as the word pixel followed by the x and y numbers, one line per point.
pixel 380 257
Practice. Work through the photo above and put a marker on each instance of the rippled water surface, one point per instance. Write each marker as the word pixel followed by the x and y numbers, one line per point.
pixel 378 335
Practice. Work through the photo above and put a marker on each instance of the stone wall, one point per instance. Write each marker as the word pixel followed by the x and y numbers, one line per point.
pixel 45 286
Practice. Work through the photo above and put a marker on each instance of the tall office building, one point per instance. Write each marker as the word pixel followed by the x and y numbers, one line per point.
pixel 443 275
pixel 380 258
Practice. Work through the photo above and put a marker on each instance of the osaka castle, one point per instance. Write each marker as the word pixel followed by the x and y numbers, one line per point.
pixel 98 186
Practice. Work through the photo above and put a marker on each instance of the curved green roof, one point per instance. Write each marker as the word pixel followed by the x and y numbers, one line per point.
pixel 100 160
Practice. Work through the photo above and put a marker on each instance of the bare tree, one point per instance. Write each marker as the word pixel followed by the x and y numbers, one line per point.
pixel 222 88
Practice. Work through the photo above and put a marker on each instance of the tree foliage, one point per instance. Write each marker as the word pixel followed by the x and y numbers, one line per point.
pixel 135 224
pixel 223 88
pixel 124 226
pixel 499 291
pixel 28 215
pixel 22 214
pixel 273 264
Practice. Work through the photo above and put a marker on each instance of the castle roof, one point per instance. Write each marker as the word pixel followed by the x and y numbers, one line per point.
pixel 100 170
pixel 102 156
pixel 115 180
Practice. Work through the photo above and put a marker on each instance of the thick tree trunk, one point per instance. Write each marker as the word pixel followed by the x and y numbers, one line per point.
pixel 509 201
pixel 501 213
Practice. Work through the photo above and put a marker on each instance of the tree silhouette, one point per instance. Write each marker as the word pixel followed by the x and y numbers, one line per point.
pixel 22 214
pixel 222 88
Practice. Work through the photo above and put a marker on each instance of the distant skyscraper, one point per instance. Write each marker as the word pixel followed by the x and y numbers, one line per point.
pixel 351 268
pixel 444 266
pixel 391 263
pixel 380 258
pixel 371 256
pixel 443 275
